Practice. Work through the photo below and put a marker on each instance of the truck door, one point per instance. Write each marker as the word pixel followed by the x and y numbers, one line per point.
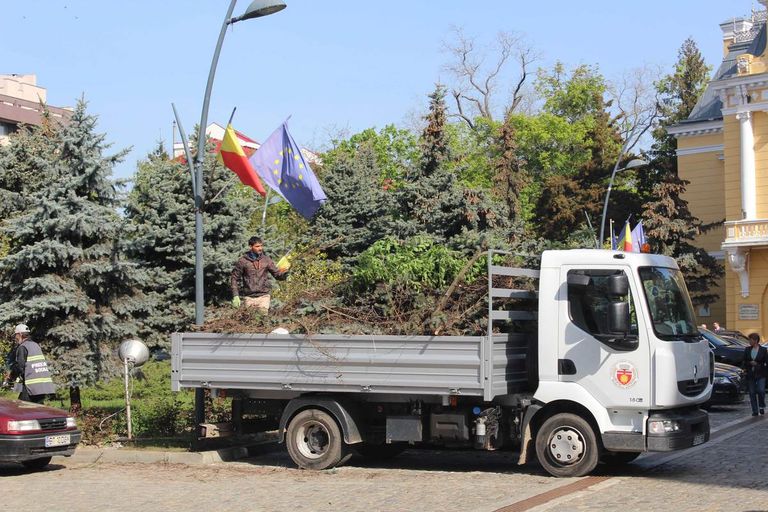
pixel 613 366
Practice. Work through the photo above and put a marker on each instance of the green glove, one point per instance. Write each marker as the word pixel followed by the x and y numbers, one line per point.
pixel 236 302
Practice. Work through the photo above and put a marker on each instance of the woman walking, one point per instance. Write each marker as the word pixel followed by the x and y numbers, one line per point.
pixel 756 365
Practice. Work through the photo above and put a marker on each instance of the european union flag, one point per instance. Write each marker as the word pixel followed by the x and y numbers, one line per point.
pixel 281 165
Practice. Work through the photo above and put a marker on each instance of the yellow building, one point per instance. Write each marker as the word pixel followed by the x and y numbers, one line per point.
pixel 723 152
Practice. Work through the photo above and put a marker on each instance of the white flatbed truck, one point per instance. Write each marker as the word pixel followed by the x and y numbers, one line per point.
pixel 600 362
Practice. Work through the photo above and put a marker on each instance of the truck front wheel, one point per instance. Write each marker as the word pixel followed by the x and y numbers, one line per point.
pixel 566 446
pixel 314 440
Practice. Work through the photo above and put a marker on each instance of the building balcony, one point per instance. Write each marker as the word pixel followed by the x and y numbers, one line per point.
pixel 740 237
pixel 746 233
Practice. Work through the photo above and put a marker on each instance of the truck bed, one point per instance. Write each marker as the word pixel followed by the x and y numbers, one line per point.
pixel 422 365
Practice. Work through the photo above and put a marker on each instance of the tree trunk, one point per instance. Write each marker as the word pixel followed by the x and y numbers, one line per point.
pixel 75 405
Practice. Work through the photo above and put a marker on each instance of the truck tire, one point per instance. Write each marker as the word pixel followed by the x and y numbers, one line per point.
pixel 566 446
pixel 314 440
pixel 36 464
pixel 618 459
pixel 380 451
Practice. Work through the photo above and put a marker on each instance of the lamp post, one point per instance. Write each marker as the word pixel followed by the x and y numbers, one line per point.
pixel 256 9
pixel 632 164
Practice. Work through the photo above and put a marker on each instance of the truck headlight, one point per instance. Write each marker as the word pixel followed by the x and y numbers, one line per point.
pixel 71 423
pixel 23 425
pixel 663 427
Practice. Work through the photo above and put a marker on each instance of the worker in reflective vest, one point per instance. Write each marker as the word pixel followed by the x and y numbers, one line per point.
pixel 29 365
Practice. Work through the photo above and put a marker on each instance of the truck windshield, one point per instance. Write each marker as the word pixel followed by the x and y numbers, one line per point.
pixel 669 303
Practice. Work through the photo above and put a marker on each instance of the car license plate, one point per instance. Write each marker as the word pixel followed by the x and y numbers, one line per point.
pixel 698 439
pixel 61 440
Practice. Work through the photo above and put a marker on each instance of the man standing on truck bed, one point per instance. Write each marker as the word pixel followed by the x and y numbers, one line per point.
pixel 250 278
pixel 28 362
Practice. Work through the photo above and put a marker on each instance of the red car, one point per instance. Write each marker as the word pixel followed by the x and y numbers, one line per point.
pixel 31 433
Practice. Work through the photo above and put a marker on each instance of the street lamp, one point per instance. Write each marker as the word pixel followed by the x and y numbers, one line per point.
pixel 632 164
pixel 257 9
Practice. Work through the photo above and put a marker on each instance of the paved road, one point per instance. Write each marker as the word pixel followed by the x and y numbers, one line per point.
pixel 729 474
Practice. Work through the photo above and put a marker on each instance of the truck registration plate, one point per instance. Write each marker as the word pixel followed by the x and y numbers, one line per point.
pixel 698 439
pixel 60 440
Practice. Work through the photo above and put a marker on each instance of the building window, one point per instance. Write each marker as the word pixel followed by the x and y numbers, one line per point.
pixel 704 311
pixel 7 129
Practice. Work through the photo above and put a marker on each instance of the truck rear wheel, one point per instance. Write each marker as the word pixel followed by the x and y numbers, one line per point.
pixel 566 446
pixel 314 440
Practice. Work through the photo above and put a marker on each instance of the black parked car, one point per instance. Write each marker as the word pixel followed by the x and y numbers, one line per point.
pixel 728 388
pixel 735 337
pixel 725 351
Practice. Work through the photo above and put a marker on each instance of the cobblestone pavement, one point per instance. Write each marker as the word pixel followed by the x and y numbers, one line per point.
pixel 728 475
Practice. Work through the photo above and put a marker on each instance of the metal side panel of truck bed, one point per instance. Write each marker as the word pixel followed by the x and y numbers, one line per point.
pixel 425 365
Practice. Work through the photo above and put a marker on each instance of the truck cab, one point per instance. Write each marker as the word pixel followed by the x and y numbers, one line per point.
pixel 617 336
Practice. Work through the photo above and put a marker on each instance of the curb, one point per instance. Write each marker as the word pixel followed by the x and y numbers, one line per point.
pixel 94 455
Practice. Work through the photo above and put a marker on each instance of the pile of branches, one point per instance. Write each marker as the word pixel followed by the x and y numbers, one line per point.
pixel 459 309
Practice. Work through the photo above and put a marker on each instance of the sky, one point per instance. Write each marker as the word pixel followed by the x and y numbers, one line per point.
pixel 334 66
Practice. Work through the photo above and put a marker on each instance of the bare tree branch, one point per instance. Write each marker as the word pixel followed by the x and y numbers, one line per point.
pixel 457 97
pixel 477 83
pixel 635 103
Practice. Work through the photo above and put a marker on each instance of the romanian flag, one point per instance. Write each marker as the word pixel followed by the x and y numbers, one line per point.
pixel 625 243
pixel 233 156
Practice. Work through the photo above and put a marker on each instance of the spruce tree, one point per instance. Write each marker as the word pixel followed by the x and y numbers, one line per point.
pixel 160 212
pixel 670 226
pixel 63 274
pixel 23 164
pixel 358 210
pixel 510 176
pixel 430 199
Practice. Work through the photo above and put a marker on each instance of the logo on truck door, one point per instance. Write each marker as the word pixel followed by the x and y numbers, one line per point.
pixel 624 374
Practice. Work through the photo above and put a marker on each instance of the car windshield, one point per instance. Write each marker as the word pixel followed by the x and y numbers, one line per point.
pixel 714 339
pixel 669 303
pixel 735 338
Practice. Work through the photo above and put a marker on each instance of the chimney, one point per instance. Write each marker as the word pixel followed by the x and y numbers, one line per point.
pixel 735 26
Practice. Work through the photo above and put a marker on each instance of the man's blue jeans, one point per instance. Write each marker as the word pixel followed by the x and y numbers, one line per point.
pixel 756 388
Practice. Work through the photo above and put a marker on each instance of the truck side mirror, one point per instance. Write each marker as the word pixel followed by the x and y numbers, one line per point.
pixel 618 285
pixel 618 318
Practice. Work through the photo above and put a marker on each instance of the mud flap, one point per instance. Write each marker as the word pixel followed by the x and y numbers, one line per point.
pixel 526 446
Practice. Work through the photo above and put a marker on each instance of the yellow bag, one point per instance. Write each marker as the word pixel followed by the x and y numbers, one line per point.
pixel 284 263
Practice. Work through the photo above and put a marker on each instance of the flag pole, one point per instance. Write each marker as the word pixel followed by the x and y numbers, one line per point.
pixel 231 117
pixel 264 213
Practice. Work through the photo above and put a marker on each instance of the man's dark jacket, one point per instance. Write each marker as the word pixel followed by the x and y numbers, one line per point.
pixel 761 370
pixel 249 277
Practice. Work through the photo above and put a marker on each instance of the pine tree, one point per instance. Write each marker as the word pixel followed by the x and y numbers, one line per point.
pixel 670 226
pixel 358 210
pixel 510 176
pixel 678 93
pixel 23 163
pixel 161 215
pixel 63 274
pixel 430 199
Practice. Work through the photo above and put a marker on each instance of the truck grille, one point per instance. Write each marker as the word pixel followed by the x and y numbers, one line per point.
pixel 691 388
pixel 53 424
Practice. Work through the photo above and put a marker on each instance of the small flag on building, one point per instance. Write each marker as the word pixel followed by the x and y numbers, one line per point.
pixel 233 157
pixel 282 166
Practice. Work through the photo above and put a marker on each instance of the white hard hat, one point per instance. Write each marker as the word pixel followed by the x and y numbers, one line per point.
pixel 21 328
